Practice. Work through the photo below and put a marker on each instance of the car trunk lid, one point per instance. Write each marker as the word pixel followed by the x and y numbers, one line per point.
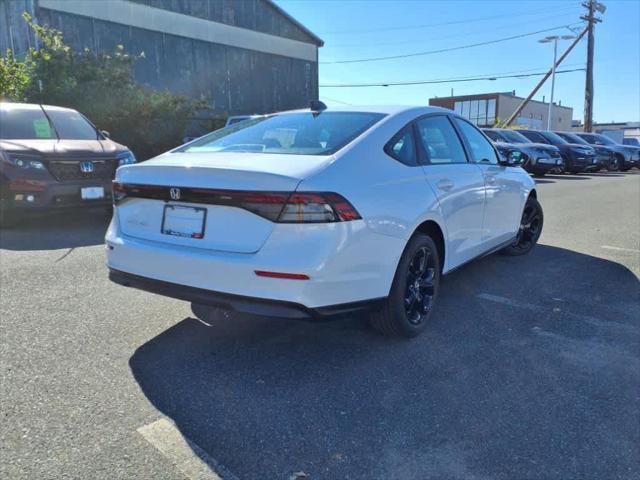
pixel 195 200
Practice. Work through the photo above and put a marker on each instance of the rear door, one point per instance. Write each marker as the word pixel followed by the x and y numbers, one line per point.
pixel 458 184
pixel 503 187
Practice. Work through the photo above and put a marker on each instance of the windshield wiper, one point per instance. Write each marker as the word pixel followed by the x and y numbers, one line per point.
pixel 50 122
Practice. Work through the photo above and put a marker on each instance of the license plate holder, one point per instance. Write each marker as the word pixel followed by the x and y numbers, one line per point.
pixel 183 221
pixel 92 193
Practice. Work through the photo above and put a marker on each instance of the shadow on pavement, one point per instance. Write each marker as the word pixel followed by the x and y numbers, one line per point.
pixel 544 385
pixel 64 229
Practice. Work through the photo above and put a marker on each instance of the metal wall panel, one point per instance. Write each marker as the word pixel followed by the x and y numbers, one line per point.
pixel 252 14
pixel 236 81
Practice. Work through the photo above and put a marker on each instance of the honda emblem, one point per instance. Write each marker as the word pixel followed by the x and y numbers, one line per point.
pixel 86 167
pixel 174 193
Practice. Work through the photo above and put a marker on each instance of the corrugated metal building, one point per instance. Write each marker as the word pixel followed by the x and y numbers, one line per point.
pixel 247 56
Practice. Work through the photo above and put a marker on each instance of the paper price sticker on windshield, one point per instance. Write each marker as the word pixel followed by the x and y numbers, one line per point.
pixel 41 128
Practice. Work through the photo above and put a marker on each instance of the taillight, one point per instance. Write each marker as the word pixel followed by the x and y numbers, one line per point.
pixel 317 208
pixel 279 207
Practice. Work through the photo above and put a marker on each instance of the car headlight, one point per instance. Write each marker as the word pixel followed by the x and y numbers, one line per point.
pixel 23 160
pixel 126 158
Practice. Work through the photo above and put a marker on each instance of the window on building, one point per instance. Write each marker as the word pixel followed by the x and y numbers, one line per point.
pixel 491 111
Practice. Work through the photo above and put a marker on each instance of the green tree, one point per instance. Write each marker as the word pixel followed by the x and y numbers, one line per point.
pixel 100 85
pixel 14 77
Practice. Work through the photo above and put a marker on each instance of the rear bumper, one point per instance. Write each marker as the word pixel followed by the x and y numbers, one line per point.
pixel 240 303
pixel 346 262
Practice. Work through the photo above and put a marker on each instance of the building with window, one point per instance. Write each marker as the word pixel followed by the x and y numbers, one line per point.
pixel 616 130
pixel 484 109
pixel 247 57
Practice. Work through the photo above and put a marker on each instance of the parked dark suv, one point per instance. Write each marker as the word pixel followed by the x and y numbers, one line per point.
pixel 605 156
pixel 539 158
pixel 628 156
pixel 53 157
pixel 577 157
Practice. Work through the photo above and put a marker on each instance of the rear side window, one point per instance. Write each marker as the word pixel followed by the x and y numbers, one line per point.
pixel 440 141
pixel 481 148
pixel 402 147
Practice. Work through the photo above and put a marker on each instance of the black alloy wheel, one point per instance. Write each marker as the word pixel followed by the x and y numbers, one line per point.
pixel 529 231
pixel 414 291
pixel 420 288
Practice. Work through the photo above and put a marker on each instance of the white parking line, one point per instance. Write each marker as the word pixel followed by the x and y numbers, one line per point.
pixel 596 322
pixel 186 456
pixel 620 249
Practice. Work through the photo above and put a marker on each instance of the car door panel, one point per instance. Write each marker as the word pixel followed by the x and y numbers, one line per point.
pixel 457 184
pixel 502 184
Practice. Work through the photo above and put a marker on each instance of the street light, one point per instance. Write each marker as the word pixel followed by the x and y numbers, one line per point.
pixel 554 39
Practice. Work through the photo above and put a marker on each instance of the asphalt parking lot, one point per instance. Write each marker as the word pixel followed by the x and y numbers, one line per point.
pixel 530 370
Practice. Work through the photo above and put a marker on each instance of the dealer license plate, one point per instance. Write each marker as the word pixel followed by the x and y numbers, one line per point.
pixel 182 221
pixel 91 193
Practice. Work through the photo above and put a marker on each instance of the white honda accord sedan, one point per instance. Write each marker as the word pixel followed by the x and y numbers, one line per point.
pixel 311 213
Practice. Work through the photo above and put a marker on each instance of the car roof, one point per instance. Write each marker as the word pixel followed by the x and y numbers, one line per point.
pixel 386 109
pixel 31 106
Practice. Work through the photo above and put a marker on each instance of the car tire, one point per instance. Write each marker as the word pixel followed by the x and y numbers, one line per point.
pixel 414 291
pixel 530 229
pixel 614 165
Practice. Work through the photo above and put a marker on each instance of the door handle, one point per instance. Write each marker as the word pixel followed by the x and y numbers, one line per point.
pixel 445 185
pixel 491 179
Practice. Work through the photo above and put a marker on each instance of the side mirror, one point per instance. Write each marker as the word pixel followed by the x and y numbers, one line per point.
pixel 105 134
pixel 512 158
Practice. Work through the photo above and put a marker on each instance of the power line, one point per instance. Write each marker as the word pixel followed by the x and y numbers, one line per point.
pixel 440 37
pixel 443 50
pixel 449 80
pixel 442 24
pixel 334 100
pixel 490 74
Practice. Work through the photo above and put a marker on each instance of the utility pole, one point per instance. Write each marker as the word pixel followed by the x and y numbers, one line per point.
pixel 517 111
pixel 590 18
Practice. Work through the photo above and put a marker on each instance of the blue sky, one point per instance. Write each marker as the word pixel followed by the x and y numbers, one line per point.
pixel 355 29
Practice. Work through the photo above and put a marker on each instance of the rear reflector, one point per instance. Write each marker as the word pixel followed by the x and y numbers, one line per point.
pixel 289 276
pixel 279 207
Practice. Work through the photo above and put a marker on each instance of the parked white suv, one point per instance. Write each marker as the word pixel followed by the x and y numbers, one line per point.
pixel 310 213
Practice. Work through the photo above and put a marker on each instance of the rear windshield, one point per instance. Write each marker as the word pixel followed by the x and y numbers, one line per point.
pixel 292 133
pixel 31 123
